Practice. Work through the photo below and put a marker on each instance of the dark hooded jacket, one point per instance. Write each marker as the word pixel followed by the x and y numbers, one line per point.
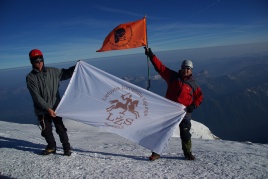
pixel 44 87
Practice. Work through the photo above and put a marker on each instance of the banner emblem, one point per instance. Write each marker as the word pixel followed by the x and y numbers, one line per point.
pixel 124 110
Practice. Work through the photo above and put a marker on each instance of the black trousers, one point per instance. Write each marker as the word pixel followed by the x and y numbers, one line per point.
pixel 185 127
pixel 46 124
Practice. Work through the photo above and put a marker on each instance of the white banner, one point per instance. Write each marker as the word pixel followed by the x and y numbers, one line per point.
pixel 100 99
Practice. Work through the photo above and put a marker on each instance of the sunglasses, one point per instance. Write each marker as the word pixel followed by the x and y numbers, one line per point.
pixel 39 60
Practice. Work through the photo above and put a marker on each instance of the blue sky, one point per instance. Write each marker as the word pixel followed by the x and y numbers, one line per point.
pixel 73 30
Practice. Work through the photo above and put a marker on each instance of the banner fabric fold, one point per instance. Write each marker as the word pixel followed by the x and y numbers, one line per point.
pixel 100 99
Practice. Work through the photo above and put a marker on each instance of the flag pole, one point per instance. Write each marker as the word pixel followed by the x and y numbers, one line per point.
pixel 148 62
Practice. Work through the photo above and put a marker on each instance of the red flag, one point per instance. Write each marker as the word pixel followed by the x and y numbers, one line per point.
pixel 125 36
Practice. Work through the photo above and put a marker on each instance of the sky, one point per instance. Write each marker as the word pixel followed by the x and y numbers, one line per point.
pixel 100 154
pixel 74 30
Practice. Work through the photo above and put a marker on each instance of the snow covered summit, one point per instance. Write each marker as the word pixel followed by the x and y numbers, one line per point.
pixel 100 154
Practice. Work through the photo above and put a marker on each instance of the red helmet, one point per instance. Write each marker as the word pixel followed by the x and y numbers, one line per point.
pixel 34 53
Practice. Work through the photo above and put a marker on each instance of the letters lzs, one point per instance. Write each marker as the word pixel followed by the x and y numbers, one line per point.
pixel 120 120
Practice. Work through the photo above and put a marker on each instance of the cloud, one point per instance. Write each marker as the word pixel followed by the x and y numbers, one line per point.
pixel 204 9
pixel 118 11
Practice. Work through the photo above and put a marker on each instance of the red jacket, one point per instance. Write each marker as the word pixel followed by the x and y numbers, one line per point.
pixel 179 89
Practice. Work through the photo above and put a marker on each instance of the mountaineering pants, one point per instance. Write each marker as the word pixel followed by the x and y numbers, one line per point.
pixel 46 124
pixel 185 134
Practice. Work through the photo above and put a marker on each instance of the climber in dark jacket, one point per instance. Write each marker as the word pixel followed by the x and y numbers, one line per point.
pixel 43 84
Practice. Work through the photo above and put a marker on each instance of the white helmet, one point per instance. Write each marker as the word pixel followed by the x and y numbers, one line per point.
pixel 187 63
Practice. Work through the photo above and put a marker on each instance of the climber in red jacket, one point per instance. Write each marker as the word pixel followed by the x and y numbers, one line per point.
pixel 181 88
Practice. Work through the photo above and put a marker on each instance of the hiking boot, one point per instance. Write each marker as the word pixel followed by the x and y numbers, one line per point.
pixel 67 152
pixel 154 156
pixel 189 156
pixel 48 151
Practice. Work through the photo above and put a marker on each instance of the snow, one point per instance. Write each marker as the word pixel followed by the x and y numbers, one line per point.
pixel 100 154
pixel 198 131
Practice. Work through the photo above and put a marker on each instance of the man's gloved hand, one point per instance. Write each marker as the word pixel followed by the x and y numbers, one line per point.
pixel 148 52
pixel 191 108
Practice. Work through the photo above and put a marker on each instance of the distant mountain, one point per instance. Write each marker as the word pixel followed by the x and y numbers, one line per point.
pixel 16 105
pixel 235 103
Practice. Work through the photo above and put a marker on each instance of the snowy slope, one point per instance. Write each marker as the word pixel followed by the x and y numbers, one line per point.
pixel 198 131
pixel 99 154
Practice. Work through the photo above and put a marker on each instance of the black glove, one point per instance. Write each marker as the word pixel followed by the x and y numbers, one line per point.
pixel 191 108
pixel 148 52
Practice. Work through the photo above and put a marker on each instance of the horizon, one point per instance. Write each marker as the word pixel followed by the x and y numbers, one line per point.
pixel 243 48
pixel 77 29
